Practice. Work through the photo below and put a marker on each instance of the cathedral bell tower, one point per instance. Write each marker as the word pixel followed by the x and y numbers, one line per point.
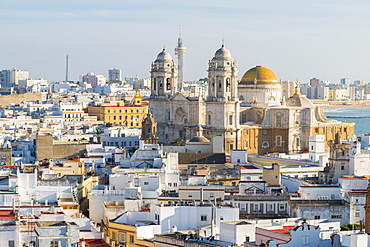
pixel 149 130
pixel 222 77
pixel 222 104
pixel 164 83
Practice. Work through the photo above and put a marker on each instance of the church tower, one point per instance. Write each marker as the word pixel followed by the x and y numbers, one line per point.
pixel 180 52
pixel 164 83
pixel 222 77
pixel 149 130
pixel 222 104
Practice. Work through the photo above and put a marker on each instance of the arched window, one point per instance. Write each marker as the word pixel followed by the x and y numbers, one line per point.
pixel 230 119
pixel 265 144
pixel 297 142
pixel 228 85
pixel 271 98
pixel 209 119
pixel 219 86
pixel 168 84
pixel 154 84
pixel 241 97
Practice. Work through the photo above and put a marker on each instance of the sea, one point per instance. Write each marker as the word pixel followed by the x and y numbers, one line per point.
pixel 360 116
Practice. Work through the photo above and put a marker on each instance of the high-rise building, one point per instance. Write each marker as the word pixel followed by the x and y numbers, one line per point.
pixel 315 82
pixel 344 81
pixel 10 77
pixel 114 74
pixel 92 80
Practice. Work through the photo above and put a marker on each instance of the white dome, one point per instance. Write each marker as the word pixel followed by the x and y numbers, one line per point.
pixel 222 53
pixel 163 55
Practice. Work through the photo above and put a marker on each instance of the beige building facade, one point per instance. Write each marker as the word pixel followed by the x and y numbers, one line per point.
pixel 252 114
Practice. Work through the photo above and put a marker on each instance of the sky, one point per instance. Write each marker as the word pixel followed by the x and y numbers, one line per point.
pixel 296 39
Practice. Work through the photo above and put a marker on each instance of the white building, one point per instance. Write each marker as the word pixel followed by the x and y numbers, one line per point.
pixel 29 82
pixel 90 80
pixel 317 147
pixel 10 77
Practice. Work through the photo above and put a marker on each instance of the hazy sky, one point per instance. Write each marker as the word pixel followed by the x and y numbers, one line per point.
pixel 296 39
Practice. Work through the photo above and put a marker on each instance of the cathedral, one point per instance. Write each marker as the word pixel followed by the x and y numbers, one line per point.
pixel 250 113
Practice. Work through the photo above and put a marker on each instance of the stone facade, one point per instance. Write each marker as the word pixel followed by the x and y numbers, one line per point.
pixel 250 114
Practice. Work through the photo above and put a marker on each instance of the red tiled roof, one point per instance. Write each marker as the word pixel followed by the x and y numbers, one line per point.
pixel 96 243
pixel 285 229
pixel 7 215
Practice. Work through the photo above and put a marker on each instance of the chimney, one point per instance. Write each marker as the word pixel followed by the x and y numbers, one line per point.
pixel 201 195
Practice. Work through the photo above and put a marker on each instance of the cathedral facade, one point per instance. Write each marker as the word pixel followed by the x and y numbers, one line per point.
pixel 250 114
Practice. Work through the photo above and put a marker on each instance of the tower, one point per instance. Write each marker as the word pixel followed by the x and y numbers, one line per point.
pixel 222 104
pixel 137 98
pixel 149 130
pixel 164 83
pixel 222 101
pixel 180 52
pixel 222 77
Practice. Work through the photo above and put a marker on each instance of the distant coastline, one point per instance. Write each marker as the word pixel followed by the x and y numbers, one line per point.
pixel 342 104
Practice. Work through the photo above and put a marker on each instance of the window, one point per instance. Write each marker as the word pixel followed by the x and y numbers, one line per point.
pixel 146 183
pixel 54 243
pixel 278 120
pixel 281 207
pixel 190 195
pixel 278 141
pixel 246 144
pixel 11 243
pixel 174 184
pixel 211 195
pixel 168 84
pixel 221 218
pixel 265 132
pixel 170 184
pixel 305 240
pixel 203 218
pixel 132 239
pixel 231 120
pixel 317 217
pixel 270 207
pixel 256 207
pixel 357 214
pixel 336 216
pixel 342 168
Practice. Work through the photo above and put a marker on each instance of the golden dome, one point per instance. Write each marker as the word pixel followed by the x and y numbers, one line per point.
pixel 259 76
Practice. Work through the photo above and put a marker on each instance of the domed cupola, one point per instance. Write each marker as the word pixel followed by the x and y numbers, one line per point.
pixel 223 53
pixel 259 76
pixel 261 87
pixel 163 56
pixel 164 83
pixel 222 76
